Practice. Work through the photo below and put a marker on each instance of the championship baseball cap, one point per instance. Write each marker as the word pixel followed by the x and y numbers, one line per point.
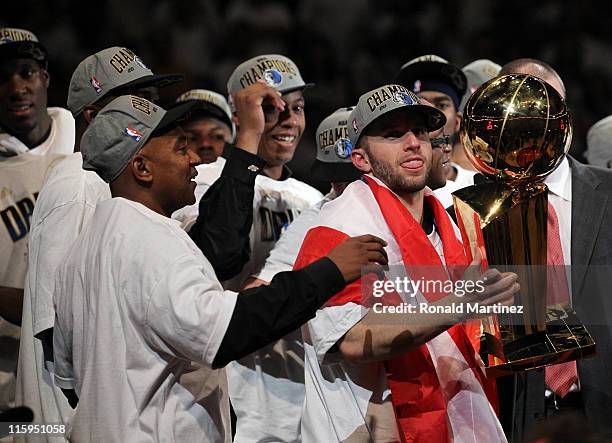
pixel 21 43
pixel 433 73
pixel 333 162
pixel 599 144
pixel 477 73
pixel 211 103
pixel 108 70
pixel 121 129
pixel 276 70
pixel 377 102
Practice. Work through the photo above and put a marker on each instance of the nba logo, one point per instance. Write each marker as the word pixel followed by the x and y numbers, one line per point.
pixel 133 133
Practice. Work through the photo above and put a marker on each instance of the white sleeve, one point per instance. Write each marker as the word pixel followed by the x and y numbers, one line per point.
pixel 189 312
pixel 50 241
pixel 286 250
pixel 330 325
pixel 62 337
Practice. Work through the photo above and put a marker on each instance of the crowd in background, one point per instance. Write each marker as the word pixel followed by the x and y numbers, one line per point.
pixel 345 46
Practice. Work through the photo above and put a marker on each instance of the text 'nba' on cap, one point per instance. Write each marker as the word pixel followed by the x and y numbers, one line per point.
pixel 276 70
pixel 121 129
pixel 378 102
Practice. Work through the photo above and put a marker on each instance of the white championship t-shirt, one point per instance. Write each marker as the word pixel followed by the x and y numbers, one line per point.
pixel 261 394
pixel 64 206
pixel 136 303
pixel 22 172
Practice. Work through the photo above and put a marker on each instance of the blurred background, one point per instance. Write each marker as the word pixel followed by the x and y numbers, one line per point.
pixel 345 46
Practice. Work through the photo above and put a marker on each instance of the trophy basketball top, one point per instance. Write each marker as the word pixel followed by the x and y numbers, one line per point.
pixel 516 129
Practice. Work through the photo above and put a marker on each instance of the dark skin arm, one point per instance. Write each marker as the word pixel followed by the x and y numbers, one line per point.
pixel 11 304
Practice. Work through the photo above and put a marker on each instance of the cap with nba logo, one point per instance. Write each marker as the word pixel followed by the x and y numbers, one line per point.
pixel 433 73
pixel 333 162
pixel 112 69
pixel 21 43
pixel 380 101
pixel 276 70
pixel 209 102
pixel 121 129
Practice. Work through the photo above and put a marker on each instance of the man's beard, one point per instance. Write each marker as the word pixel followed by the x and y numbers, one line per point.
pixel 396 182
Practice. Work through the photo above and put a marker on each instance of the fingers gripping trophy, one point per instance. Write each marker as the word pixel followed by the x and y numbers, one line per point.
pixel 516 129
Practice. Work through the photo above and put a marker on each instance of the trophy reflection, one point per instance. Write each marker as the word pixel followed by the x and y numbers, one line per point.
pixel 516 130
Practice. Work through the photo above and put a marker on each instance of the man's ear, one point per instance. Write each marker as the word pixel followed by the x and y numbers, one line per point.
pixel 46 77
pixel 361 161
pixel 458 116
pixel 141 167
pixel 89 112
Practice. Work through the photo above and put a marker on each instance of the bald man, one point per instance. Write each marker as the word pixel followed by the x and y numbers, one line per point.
pixel 579 195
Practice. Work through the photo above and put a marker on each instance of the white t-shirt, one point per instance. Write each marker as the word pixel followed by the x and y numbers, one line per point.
pixel 262 386
pixel 65 205
pixel 464 178
pixel 22 171
pixel 136 303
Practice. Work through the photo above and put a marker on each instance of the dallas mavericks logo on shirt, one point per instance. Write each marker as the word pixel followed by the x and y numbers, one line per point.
pixel 272 77
pixel 343 147
pixel 402 98
pixel 131 132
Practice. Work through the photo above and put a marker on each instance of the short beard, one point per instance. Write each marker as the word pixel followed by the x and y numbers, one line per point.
pixel 398 184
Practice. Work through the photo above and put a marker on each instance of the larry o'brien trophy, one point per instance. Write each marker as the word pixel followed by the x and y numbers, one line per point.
pixel 516 130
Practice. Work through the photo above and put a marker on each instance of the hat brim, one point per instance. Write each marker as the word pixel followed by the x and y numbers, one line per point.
pixel 159 80
pixel 434 118
pixel 172 117
pixel 296 88
pixel 334 172
pixel 24 49
pixel 212 110
pixel 445 72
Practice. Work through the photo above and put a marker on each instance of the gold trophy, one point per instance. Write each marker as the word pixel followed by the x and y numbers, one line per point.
pixel 516 130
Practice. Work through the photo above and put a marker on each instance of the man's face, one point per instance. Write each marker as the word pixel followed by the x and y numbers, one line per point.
pixel 207 137
pixel 173 169
pixel 283 130
pixel 440 159
pixel 23 95
pixel 399 152
pixel 445 104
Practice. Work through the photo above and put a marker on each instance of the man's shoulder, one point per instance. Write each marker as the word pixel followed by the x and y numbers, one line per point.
pixel 594 175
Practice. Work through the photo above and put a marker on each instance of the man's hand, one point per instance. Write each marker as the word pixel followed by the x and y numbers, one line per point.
pixel 353 254
pixel 249 106
pixel 498 287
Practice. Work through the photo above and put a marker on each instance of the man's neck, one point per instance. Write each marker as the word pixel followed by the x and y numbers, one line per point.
pixel 460 159
pixel 413 201
pixel 137 196
pixel 274 172
pixel 38 135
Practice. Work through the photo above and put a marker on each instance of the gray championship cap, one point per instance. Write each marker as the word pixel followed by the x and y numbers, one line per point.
pixel 477 73
pixel 276 70
pixel 380 101
pixel 333 162
pixel 115 68
pixel 599 143
pixel 433 73
pixel 209 102
pixel 21 43
pixel 121 129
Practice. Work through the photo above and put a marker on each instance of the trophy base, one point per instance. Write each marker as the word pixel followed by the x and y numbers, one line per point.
pixel 565 339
